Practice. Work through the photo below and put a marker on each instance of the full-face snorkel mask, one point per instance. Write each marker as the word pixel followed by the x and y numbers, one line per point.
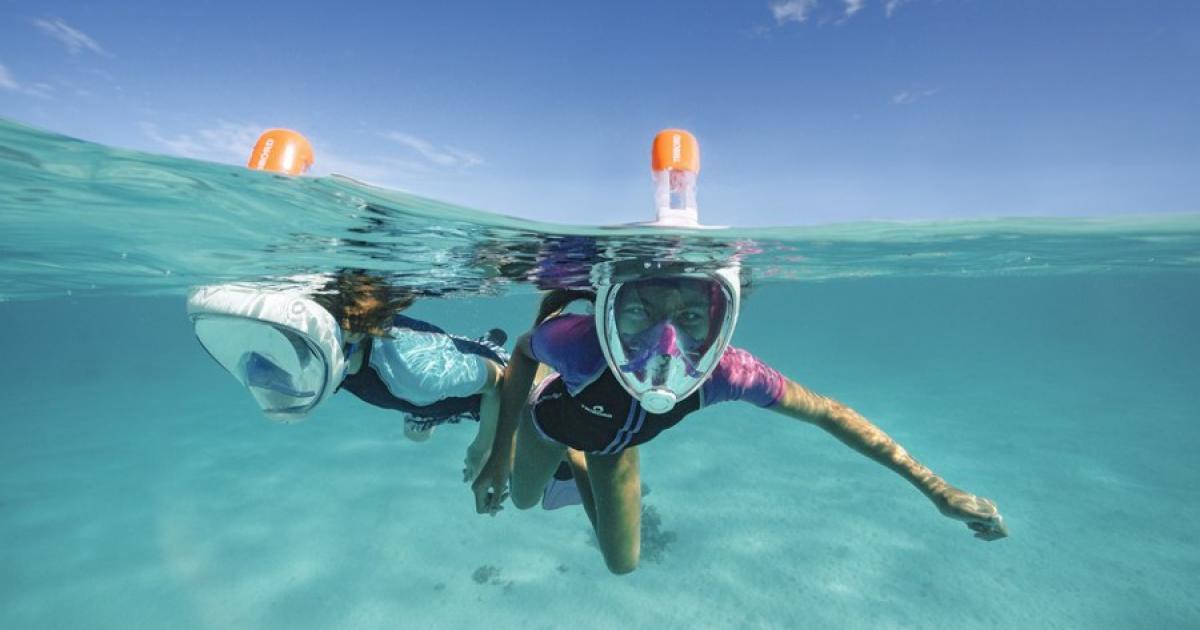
pixel 280 345
pixel 663 334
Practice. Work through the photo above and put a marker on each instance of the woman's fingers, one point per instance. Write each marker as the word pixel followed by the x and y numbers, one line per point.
pixel 990 529
pixel 498 503
pixel 483 497
pixel 489 494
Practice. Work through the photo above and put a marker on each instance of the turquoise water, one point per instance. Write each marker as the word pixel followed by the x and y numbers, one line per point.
pixel 1049 364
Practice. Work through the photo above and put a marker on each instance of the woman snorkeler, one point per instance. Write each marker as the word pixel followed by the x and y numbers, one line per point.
pixel 655 351
pixel 294 349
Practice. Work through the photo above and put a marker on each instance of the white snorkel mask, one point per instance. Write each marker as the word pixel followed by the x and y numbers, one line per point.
pixel 663 327
pixel 282 346
pixel 663 334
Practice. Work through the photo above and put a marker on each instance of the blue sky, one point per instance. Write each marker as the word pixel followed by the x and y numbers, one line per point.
pixel 808 111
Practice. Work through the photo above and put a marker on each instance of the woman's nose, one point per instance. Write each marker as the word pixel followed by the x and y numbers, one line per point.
pixel 666 341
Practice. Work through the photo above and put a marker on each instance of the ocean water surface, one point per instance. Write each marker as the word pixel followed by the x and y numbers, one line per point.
pixel 1048 364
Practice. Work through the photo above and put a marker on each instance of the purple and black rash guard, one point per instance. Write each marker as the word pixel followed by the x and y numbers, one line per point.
pixel 568 343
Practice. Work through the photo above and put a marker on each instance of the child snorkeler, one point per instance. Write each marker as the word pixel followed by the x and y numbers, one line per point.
pixel 656 350
pixel 292 349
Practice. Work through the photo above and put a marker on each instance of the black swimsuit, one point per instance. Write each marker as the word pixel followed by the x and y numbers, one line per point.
pixel 602 418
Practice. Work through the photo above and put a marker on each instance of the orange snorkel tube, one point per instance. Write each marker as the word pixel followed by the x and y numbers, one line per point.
pixel 675 162
pixel 281 151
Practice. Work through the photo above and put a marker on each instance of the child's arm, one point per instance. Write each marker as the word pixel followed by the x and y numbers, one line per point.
pixel 491 486
pixel 489 412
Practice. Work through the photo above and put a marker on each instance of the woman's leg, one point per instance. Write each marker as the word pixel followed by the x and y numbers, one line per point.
pixel 616 486
pixel 578 462
pixel 534 461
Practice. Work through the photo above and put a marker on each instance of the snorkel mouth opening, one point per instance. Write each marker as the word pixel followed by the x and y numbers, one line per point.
pixel 659 400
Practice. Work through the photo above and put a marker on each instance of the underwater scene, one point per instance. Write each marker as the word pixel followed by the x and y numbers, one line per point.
pixel 1049 365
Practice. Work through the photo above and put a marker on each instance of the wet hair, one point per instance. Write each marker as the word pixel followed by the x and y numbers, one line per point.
pixel 558 299
pixel 362 302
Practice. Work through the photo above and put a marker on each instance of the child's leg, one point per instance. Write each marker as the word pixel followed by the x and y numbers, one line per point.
pixel 616 486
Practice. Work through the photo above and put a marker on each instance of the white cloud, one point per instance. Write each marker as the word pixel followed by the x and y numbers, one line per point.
pixel 792 10
pixel 231 143
pixel 801 11
pixel 383 171
pixel 445 156
pixel 7 82
pixel 890 6
pixel 74 39
pixel 908 97
pixel 224 142
pixel 10 83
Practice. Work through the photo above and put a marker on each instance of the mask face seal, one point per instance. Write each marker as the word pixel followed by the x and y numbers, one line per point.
pixel 664 336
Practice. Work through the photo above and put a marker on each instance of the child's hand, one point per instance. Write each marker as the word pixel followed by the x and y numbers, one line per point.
pixel 473 463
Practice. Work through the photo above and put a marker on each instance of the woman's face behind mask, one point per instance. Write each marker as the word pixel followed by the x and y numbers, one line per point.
pixel 662 336
pixel 684 303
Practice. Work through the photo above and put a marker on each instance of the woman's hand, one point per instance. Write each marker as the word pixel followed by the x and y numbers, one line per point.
pixel 978 513
pixel 491 486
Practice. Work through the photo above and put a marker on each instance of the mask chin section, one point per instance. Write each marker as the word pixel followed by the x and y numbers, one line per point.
pixel 280 406
pixel 288 416
pixel 658 401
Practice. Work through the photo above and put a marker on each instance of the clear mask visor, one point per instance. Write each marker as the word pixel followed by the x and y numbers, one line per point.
pixel 665 333
pixel 280 367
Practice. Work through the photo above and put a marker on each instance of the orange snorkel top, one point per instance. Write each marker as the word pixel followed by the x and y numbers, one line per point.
pixel 675 162
pixel 281 151
pixel 675 149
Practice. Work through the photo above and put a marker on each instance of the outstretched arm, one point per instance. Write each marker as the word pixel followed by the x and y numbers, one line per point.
pixel 491 486
pixel 857 432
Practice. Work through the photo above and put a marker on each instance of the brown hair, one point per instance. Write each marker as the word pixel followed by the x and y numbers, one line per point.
pixel 362 302
pixel 558 299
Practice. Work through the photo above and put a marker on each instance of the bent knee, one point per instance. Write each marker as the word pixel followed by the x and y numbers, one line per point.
pixel 525 499
pixel 623 565
pixel 622 560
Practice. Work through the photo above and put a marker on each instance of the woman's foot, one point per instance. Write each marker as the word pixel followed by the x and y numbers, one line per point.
pixel 561 490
